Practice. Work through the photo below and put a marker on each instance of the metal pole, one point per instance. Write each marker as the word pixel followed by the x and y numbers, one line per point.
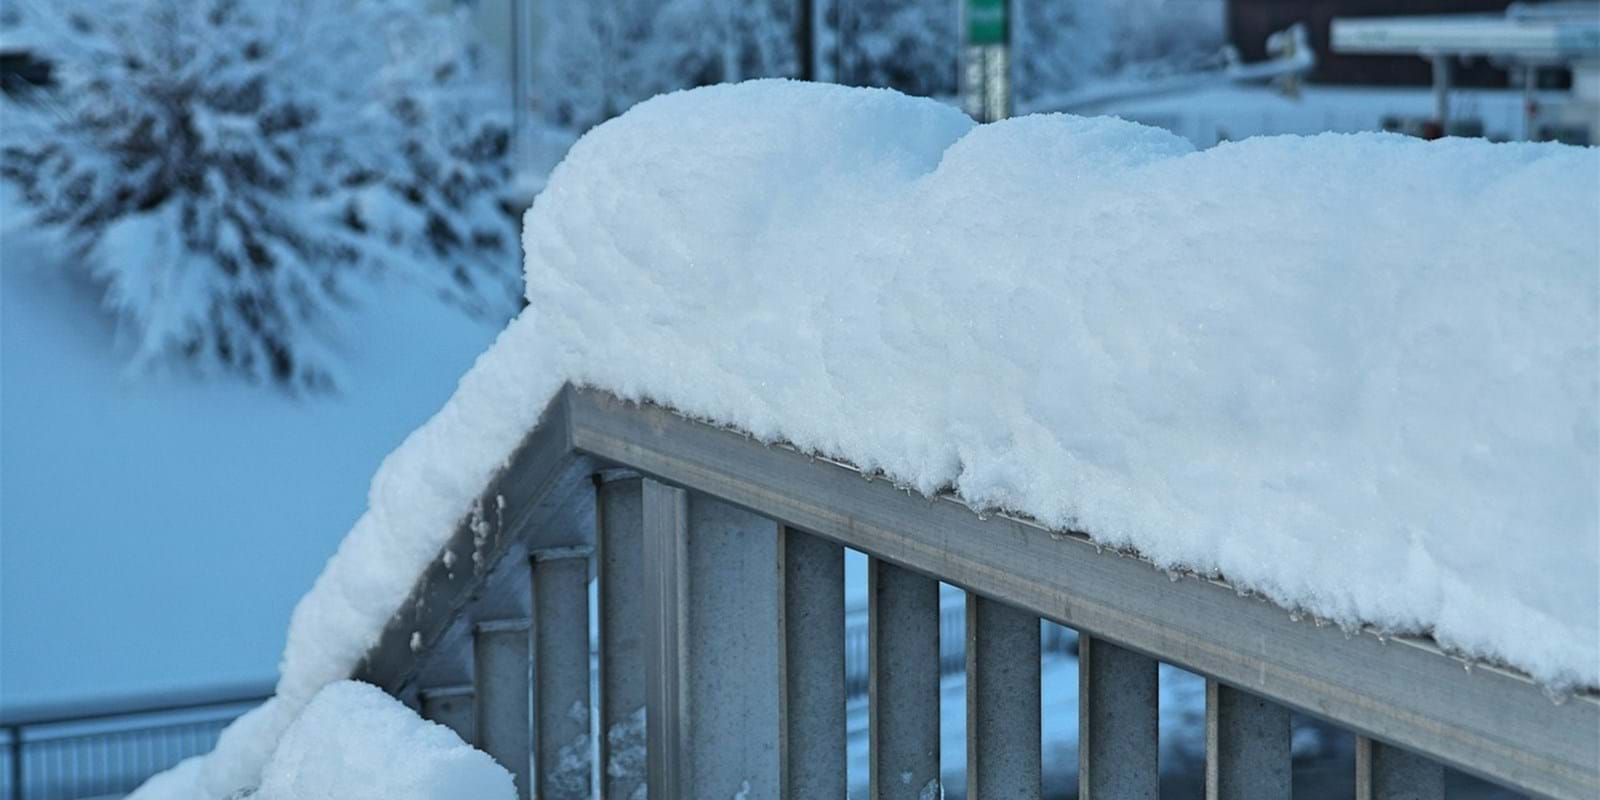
pixel 519 125
pixel 805 49
pixel 986 34
pixel 561 673
pixel 844 17
pixel 1003 717
pixel 619 565
pixel 524 22
pixel 666 556
pixel 1442 77
pixel 1530 82
pixel 1390 773
pixel 15 746
pixel 813 757
pixel 902 682
pixel 1247 745
pixel 1118 722
pixel 502 695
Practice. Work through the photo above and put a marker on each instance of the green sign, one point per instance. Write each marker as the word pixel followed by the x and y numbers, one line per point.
pixel 986 21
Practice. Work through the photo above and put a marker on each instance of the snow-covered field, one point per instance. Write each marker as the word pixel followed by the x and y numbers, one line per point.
pixel 157 529
pixel 1357 374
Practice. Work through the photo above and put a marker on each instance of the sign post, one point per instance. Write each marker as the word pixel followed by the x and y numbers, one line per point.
pixel 986 59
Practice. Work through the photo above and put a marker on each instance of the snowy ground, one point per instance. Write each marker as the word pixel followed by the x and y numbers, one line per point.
pixel 157 530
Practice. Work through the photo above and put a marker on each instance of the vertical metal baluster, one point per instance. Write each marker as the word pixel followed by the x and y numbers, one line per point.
pixel 813 758
pixel 1118 722
pixel 503 693
pixel 715 645
pixel 1004 755
pixel 561 673
pixel 15 768
pixel 666 535
pixel 56 772
pixel 903 682
pixel 620 565
pixel 735 602
pixel 1247 746
pixel 1385 772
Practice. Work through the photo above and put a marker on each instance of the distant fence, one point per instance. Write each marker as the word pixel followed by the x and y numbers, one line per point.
pixel 1054 639
pixel 106 749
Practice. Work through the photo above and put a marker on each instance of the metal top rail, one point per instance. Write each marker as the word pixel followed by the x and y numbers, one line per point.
pixel 1488 721
pixel 105 747
pixel 98 709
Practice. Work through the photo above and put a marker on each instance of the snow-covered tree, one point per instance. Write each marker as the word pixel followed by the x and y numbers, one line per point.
pixel 1060 46
pixel 910 45
pixel 592 64
pixel 442 191
pixel 219 168
pixel 601 56
pixel 715 41
pixel 1066 45
pixel 1156 37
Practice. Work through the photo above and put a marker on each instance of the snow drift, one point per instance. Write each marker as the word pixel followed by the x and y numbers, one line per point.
pixel 353 742
pixel 1357 374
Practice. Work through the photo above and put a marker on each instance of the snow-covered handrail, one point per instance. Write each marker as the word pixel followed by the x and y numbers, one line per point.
pixel 651 502
pixel 1353 374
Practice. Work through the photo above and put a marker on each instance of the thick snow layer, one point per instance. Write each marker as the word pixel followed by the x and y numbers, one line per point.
pixel 353 742
pixel 1355 373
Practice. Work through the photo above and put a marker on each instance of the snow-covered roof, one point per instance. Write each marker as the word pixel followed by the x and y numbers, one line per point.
pixel 1357 374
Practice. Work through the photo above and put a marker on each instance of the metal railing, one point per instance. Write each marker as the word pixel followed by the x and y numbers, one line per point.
pixel 720 673
pixel 107 748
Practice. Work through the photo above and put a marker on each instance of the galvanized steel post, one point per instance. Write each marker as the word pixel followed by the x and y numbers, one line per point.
pixel 1118 723
pixel 1385 772
pixel 903 682
pixel 619 565
pixel 813 754
pixel 1247 745
pixel 561 673
pixel 1004 753
pixel 503 691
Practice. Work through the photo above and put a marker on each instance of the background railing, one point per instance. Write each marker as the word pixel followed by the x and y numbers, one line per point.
pixel 1054 640
pixel 107 748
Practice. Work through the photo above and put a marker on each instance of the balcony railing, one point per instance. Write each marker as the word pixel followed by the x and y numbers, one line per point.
pixel 719 564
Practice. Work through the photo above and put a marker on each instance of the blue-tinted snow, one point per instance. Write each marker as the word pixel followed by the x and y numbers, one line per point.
pixel 353 742
pixel 156 530
pixel 1357 374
